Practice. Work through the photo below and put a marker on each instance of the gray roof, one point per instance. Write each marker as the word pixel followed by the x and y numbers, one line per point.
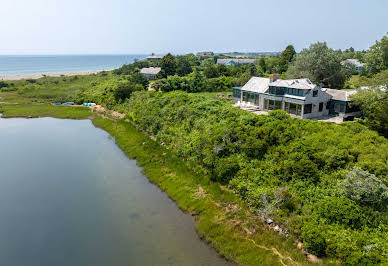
pixel 340 95
pixel 304 84
pixel 260 85
pixel 150 70
pixel 256 84
pixel 236 61
pixel 354 62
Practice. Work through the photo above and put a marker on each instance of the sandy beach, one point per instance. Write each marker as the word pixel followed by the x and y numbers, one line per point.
pixel 41 75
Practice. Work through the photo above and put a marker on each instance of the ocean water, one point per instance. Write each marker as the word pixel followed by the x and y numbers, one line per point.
pixel 31 64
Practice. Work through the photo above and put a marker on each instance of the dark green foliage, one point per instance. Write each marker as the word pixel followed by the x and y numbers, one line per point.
pixel 262 64
pixel 168 65
pixel 291 170
pixel 286 57
pixel 137 78
pixel 211 71
pixel 130 68
pixel 377 57
pixel 374 105
pixel 125 89
pixel 185 64
pixel 194 82
pixel 339 210
pixel 313 238
pixel 321 65
pixel 3 84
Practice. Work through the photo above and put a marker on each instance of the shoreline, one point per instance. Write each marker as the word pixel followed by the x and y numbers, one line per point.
pixel 48 74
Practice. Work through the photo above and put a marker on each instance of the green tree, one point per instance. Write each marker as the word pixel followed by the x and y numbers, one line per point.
pixel 377 57
pixel 197 83
pixel 211 71
pixel 183 66
pixel 374 106
pixel 168 65
pixel 262 64
pixel 125 89
pixel 137 78
pixel 286 57
pixel 320 64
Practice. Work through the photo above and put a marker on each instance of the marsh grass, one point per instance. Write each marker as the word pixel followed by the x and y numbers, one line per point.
pixel 44 110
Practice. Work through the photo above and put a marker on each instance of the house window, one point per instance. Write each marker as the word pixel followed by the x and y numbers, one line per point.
pixel 315 93
pixel 308 108
pixel 327 105
pixel 320 107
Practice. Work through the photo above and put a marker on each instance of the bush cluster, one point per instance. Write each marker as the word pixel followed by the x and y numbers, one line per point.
pixel 304 174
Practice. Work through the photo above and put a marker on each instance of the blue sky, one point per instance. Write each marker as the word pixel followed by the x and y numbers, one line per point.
pixel 182 26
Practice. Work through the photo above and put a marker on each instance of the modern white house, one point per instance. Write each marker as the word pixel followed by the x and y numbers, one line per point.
pixel 150 72
pixel 298 97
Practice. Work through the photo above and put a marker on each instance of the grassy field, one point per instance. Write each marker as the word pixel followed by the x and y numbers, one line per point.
pixel 50 89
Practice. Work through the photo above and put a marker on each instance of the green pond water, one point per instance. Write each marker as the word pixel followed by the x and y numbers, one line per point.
pixel 70 196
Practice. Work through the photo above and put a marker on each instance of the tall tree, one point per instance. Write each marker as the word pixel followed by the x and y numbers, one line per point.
pixel 374 103
pixel 168 65
pixel 286 57
pixel 377 57
pixel 183 66
pixel 320 64
pixel 262 64
pixel 211 71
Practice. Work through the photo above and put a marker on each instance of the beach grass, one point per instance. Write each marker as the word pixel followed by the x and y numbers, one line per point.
pixel 50 89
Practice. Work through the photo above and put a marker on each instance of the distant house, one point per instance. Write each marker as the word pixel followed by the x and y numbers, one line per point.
pixel 233 62
pixel 298 97
pixel 150 72
pixel 354 62
pixel 154 57
pixel 199 54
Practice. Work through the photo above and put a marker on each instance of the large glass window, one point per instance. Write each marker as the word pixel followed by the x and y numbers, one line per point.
pixel 272 105
pixel 293 108
pixel 251 97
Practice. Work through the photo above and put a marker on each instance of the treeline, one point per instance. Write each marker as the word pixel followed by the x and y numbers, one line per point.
pixel 325 183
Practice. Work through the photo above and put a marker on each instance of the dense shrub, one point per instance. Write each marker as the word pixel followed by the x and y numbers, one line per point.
pixel 294 171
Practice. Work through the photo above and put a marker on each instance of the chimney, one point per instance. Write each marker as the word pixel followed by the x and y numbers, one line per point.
pixel 273 77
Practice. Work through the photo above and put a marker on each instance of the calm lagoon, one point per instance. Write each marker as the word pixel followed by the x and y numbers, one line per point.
pixel 70 196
